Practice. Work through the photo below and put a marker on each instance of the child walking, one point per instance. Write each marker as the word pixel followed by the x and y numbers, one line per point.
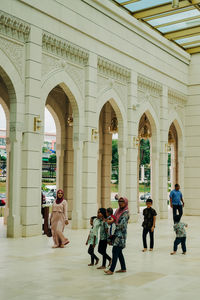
pixel 148 224
pixel 179 228
pixel 92 241
pixel 111 220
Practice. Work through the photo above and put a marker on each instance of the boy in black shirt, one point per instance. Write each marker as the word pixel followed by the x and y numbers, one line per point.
pixel 148 224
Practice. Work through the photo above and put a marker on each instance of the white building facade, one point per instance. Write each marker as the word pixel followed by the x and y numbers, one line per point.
pixel 89 61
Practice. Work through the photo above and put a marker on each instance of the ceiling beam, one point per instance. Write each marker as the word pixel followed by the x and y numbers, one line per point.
pixel 170 13
pixel 189 43
pixel 174 35
pixel 162 9
pixel 178 21
pixel 128 2
pixel 193 50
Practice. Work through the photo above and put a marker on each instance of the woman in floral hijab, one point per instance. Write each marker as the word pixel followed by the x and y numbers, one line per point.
pixel 122 217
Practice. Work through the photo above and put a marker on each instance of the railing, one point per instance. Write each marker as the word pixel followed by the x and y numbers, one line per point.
pixel 3 168
pixel 48 170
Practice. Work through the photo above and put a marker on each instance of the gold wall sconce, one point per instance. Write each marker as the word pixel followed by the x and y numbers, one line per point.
pixel 37 122
pixel 167 148
pixel 175 3
pixel 136 141
pixel 70 121
pixel 113 128
pixel 94 134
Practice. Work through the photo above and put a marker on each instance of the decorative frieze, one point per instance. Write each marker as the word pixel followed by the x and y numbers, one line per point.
pixel 64 49
pixel 14 27
pixel 113 70
pixel 176 98
pixel 15 52
pixel 148 86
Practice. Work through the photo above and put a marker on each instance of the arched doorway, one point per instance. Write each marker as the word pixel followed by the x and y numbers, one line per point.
pixel 60 108
pixel 173 157
pixel 144 160
pixel 110 156
pixel 147 161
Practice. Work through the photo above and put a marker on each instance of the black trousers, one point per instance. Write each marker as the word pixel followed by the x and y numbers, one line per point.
pixel 144 237
pixel 102 250
pixel 182 241
pixel 117 253
pixel 178 208
pixel 91 252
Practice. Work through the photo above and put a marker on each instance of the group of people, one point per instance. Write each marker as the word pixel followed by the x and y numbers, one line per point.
pixel 112 229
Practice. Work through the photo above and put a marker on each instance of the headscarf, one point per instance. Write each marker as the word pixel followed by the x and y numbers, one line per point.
pixel 120 211
pixel 59 200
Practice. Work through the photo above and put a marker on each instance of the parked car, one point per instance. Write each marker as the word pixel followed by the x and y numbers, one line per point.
pixel 145 196
pixel 49 198
pixel 2 199
pixel 43 198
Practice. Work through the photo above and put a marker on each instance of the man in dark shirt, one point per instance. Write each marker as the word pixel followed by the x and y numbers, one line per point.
pixel 148 224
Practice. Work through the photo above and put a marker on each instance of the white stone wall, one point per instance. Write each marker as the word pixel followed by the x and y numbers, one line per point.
pixel 96 53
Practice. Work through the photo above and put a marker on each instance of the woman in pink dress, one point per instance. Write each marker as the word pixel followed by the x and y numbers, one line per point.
pixel 58 220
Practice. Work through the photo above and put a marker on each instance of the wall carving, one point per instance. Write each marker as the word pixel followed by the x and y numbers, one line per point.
pixel 177 99
pixel 14 27
pixel 50 63
pixel 113 70
pixel 64 49
pixel 149 87
pixel 15 53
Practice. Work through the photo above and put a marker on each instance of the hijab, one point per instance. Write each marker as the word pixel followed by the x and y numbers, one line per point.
pixel 59 200
pixel 120 211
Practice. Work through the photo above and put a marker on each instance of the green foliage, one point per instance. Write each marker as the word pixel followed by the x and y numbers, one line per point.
pixel 144 152
pixel 115 160
pixel 52 158
pixel 2 158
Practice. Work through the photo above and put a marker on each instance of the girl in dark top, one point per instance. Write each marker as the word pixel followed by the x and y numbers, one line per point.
pixel 148 225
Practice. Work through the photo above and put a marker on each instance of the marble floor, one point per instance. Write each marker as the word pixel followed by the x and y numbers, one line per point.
pixel 31 270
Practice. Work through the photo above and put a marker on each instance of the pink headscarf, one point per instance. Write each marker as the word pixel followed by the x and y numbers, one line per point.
pixel 59 200
pixel 120 211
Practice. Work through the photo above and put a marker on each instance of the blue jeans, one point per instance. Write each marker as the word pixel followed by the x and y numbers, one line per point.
pixel 182 241
pixel 117 253
pixel 180 210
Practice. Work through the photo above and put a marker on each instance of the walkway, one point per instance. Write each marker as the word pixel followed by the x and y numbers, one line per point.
pixel 31 270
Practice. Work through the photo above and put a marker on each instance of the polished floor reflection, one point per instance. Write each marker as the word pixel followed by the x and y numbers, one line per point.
pixel 31 269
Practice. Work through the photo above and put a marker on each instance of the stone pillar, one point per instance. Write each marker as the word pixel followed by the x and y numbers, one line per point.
pixel 106 158
pixel 77 186
pixel 6 210
pixel 91 144
pixel 122 169
pixel 32 138
pixel 155 176
pixel 14 219
pixel 163 157
pixel 191 172
pixel 69 165
pixel 132 148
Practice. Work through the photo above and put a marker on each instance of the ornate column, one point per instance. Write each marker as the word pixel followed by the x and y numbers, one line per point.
pixel 90 145
pixel 132 150
pixel 14 228
pixel 163 159
pixel 77 214
pixel 32 138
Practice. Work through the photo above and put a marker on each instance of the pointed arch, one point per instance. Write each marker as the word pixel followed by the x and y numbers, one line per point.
pixel 62 78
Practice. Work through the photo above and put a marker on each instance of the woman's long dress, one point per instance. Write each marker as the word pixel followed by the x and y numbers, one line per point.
pixel 58 218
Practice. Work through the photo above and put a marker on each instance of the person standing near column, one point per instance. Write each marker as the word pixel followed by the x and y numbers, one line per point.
pixel 176 201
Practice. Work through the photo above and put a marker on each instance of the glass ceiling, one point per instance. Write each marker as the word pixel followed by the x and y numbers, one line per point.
pixel 180 24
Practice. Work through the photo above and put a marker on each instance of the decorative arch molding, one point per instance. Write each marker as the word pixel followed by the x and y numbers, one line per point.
pixel 11 78
pixel 174 118
pixel 62 78
pixel 149 111
pixel 112 97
